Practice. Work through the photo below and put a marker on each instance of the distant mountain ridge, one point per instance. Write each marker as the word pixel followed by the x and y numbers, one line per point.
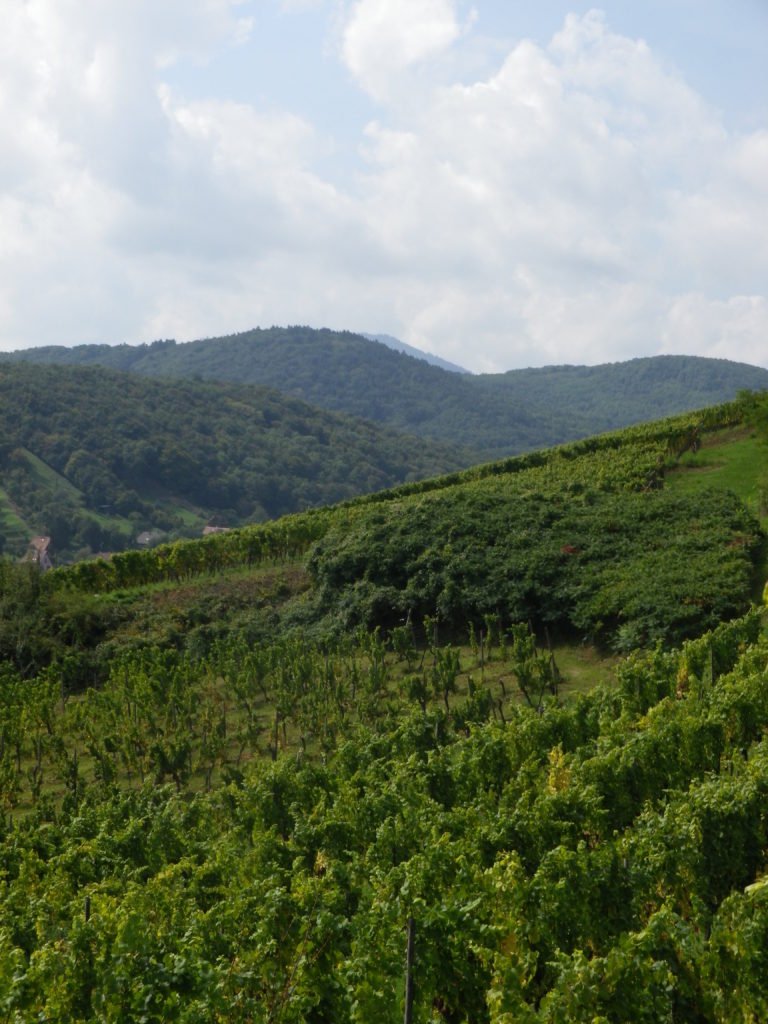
pixel 494 414
pixel 417 353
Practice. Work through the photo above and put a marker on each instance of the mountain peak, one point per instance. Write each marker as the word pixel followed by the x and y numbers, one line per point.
pixel 417 353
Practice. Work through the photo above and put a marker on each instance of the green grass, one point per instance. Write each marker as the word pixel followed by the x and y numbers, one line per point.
pixel 733 460
pixel 9 520
pixel 187 515
pixel 14 530
pixel 583 667
pixel 52 480
pixel 125 526
pixel 180 613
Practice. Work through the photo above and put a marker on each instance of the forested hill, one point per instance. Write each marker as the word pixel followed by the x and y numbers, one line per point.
pixel 344 372
pixel 236 773
pixel 93 457
pixel 495 414
pixel 614 395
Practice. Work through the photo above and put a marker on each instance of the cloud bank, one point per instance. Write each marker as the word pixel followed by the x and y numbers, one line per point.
pixel 581 203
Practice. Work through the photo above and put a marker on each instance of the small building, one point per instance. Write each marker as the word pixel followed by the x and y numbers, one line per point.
pixel 39 552
pixel 148 537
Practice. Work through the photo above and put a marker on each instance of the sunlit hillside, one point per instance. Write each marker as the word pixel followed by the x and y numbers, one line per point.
pixel 517 712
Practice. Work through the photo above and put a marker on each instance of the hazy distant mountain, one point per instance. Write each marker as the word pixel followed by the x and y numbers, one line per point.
pixel 494 414
pixel 409 350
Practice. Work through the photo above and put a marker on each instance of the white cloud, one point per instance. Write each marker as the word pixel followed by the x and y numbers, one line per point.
pixel 571 197
pixel 383 38
pixel 87 157
pixel 734 328
pixel 579 204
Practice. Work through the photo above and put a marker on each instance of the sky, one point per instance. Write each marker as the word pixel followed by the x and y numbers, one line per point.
pixel 498 182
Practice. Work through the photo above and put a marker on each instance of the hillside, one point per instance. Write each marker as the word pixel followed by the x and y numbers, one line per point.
pixel 341 372
pixel 93 457
pixel 494 414
pixel 517 712
pixel 617 394
pixel 585 541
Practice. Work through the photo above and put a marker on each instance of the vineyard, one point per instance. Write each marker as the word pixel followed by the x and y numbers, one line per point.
pixel 237 774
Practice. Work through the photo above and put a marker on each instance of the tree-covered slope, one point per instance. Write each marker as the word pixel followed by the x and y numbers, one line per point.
pixel 583 541
pixel 347 373
pixel 636 391
pixel 92 457
pixel 495 414
pixel 232 783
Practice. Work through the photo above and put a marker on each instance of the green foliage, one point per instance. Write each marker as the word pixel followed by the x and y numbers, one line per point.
pixel 578 539
pixel 495 414
pixel 631 459
pixel 534 670
pixel 625 568
pixel 537 895
pixel 92 457
pixel 225 792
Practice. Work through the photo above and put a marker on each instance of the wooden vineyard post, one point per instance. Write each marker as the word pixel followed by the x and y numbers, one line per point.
pixel 552 665
pixel 408 1018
